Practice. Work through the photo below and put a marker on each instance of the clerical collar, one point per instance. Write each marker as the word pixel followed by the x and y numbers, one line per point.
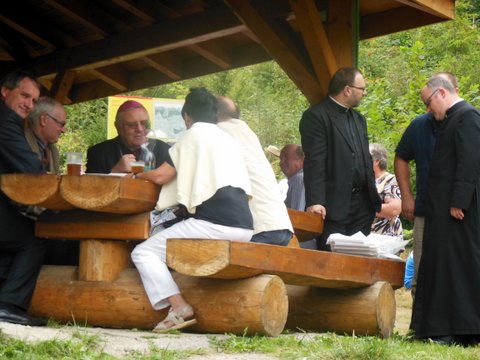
pixel 336 102
pixel 455 102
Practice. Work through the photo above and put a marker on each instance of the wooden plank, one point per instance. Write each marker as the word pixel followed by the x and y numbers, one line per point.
pixel 367 311
pixel 111 194
pixel 256 305
pixel 225 259
pixel 81 224
pixel 306 226
pixel 35 190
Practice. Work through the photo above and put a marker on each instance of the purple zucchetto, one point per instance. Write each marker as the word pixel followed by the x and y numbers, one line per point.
pixel 129 105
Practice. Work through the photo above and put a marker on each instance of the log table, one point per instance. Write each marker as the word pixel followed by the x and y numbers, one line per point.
pixel 232 286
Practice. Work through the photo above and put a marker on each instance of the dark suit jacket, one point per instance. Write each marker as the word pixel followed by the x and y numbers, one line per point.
pixel 15 157
pixel 102 157
pixel 328 148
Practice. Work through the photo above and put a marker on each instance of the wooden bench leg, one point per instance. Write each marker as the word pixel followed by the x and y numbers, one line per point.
pixel 103 260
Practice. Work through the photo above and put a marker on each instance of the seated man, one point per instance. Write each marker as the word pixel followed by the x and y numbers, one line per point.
pixel 291 163
pixel 271 222
pixel 46 123
pixel 116 155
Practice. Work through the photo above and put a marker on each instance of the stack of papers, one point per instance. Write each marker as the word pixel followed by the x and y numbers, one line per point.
pixel 374 245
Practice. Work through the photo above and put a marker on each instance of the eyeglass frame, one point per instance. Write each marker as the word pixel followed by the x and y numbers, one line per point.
pixel 358 87
pixel 133 125
pixel 428 100
pixel 59 123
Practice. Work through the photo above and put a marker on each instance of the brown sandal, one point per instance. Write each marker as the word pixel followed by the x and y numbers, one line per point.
pixel 177 318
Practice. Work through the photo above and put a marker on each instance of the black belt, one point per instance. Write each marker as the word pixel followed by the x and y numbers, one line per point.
pixel 358 189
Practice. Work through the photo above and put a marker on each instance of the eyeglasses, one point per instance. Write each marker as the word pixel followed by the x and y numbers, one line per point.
pixel 59 123
pixel 132 125
pixel 358 87
pixel 429 99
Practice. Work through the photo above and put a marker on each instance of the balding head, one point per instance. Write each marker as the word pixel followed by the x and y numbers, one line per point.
pixel 227 109
pixel 291 159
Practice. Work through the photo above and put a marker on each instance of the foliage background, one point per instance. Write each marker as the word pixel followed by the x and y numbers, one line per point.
pixel 395 66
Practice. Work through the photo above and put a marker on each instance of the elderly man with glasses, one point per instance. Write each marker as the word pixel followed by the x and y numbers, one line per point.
pixel 46 123
pixel 116 155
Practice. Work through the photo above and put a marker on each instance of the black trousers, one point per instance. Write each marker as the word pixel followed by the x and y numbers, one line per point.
pixel 360 218
pixel 21 257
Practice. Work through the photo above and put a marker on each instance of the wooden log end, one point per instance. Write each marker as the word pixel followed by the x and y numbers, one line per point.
pixel 386 308
pixel 34 189
pixel 198 257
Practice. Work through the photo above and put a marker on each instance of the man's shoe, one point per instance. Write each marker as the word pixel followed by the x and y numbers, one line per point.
pixel 17 316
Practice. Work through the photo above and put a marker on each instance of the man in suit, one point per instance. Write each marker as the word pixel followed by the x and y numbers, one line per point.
pixel 20 252
pixel 338 169
pixel 115 155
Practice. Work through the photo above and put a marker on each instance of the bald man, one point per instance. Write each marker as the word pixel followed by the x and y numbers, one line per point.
pixel 132 123
pixel 270 217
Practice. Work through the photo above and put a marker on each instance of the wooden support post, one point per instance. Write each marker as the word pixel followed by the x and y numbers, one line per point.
pixel 258 304
pixel 103 260
pixel 366 311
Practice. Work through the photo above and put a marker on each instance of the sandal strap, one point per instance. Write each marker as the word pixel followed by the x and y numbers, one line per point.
pixel 175 317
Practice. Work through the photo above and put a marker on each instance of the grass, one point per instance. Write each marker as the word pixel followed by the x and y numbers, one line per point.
pixel 332 346
pixel 287 346
pixel 303 346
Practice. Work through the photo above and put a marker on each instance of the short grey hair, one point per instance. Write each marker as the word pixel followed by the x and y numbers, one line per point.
pixel 437 81
pixel 379 153
pixel 44 105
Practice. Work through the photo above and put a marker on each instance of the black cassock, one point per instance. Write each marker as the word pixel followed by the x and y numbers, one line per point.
pixel 447 301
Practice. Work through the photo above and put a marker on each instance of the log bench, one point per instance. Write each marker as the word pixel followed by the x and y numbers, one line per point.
pixel 232 286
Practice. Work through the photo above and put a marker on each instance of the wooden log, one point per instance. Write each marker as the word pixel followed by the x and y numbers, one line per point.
pixel 367 311
pixel 111 194
pixel 258 304
pixel 236 260
pixel 82 224
pixel 35 190
pixel 306 226
pixel 103 260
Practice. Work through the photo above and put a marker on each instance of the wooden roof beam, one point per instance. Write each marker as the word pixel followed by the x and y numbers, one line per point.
pixel 62 84
pixel 77 12
pixel 190 30
pixel 283 52
pixel 214 53
pixel 193 67
pixel 342 31
pixel 132 8
pixel 316 40
pixel 23 29
pixel 394 20
pixel 166 64
pixel 112 76
pixel 441 8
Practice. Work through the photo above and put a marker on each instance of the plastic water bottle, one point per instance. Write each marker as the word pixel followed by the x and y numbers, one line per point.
pixel 147 154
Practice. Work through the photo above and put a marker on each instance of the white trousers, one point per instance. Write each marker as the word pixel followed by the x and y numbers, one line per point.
pixel 150 256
